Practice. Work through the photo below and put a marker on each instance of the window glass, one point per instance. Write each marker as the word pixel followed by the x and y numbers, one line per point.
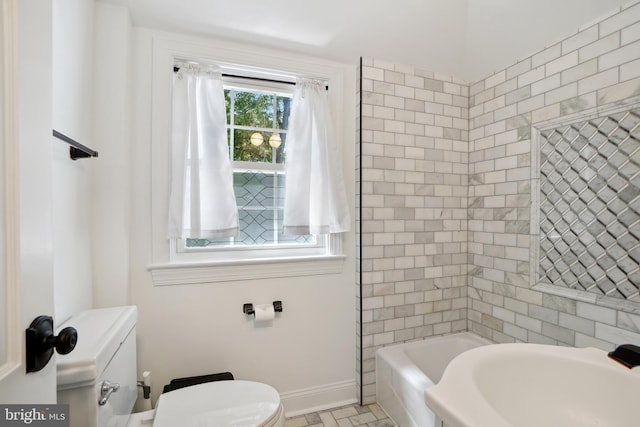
pixel 257 123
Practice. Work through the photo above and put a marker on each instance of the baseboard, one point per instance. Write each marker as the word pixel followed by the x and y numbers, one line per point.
pixel 313 399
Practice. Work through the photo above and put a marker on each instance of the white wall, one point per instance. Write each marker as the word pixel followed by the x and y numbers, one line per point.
pixel 111 171
pixel 72 188
pixel 308 353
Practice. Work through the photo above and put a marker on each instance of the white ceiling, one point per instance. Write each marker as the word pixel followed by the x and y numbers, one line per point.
pixel 469 39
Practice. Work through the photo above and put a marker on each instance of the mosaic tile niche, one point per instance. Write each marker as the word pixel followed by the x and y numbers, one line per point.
pixel 589 205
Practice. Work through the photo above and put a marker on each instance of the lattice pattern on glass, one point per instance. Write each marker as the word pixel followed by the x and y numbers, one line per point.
pixel 260 199
pixel 590 206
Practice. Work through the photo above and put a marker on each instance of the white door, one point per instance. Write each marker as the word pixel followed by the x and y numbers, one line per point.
pixel 26 260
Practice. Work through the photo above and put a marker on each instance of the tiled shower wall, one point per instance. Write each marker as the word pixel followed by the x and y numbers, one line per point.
pixel 436 207
pixel 597 66
pixel 414 208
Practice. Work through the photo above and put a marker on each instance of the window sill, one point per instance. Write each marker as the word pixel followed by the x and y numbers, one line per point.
pixel 224 271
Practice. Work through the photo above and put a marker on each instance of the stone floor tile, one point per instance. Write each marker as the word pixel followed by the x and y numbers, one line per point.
pixel 362 419
pixel 370 415
pixel 382 423
pixel 344 422
pixel 296 422
pixel 327 419
pixel 348 411
pixel 313 418
pixel 377 411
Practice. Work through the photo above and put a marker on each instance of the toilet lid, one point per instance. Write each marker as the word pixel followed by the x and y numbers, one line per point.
pixel 220 403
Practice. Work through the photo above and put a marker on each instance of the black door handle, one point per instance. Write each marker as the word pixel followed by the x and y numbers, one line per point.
pixel 41 341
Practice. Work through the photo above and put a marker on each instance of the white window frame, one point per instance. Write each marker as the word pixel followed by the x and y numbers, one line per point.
pixel 171 265
pixel 274 250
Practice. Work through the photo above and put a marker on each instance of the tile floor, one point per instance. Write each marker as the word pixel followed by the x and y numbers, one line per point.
pixel 346 416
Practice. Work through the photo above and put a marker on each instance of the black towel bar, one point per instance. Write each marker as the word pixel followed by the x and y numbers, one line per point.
pixel 77 150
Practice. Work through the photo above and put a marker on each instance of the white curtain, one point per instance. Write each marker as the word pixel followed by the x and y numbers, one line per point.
pixel 315 199
pixel 202 203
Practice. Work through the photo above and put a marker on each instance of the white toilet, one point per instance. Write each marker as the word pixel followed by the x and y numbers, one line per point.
pixel 106 355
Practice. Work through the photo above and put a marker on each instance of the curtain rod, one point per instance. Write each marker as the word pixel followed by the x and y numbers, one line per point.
pixel 261 79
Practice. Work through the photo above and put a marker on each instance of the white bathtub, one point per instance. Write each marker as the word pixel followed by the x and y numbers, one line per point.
pixel 404 371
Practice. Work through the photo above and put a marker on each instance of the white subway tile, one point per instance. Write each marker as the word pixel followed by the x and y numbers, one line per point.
pixel 615 335
pixel 620 56
pixel 414 81
pixel 557 65
pixel 589 341
pixel 519 68
pixel 495 79
pixel 394 77
pixel 630 34
pixel 582 38
pixel 579 72
pixel 530 104
pixel 384 65
pixel 545 85
pixel 619 92
pixel 546 55
pixel 597 313
pixel 372 73
pixel 443 98
pixel 383 87
pixel 531 76
pixel 598 81
pixel 630 70
pixel 404 91
pixel 404 68
pixel 620 20
pixel 452 88
pixel 562 93
pixel 599 47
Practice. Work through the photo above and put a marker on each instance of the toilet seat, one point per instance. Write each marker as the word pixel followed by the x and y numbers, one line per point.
pixel 221 403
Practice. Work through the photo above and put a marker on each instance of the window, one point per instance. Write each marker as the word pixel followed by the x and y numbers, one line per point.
pixel 172 262
pixel 257 125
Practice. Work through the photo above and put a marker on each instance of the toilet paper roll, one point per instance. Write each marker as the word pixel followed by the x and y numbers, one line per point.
pixel 264 313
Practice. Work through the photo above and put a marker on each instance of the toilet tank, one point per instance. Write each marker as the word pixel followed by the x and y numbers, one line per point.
pixel 106 351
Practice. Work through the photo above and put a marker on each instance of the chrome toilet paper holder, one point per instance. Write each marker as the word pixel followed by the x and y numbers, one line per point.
pixel 249 310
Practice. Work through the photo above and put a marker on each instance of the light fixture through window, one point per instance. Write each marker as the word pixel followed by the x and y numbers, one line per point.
pixel 275 140
pixel 256 139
